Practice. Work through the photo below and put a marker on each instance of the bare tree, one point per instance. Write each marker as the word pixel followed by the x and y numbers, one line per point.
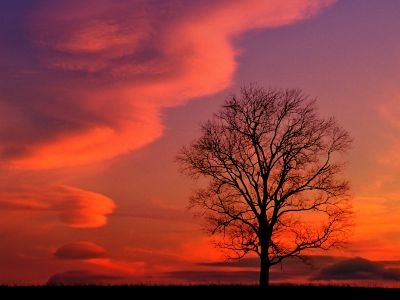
pixel 273 168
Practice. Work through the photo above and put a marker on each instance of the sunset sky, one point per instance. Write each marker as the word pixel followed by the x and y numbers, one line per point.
pixel 98 96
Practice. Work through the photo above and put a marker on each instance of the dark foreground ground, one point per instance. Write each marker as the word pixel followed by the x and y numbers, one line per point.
pixel 206 292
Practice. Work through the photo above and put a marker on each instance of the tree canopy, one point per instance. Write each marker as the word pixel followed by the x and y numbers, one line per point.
pixel 273 167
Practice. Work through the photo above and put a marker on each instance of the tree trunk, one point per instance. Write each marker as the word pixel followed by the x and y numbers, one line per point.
pixel 264 268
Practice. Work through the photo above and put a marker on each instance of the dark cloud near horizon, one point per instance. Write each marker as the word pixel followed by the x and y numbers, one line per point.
pixel 246 271
pixel 317 267
pixel 80 250
pixel 235 277
pixel 311 261
pixel 358 269
pixel 81 277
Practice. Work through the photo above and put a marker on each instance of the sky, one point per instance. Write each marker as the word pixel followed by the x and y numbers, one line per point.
pixel 98 96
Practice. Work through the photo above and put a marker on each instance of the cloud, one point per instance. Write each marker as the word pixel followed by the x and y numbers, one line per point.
pixel 321 267
pixel 74 207
pixel 99 72
pixel 313 261
pixel 290 270
pixel 80 250
pixel 80 208
pixel 81 277
pixel 358 269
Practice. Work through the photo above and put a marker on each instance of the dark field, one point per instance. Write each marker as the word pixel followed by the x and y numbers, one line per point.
pixel 208 292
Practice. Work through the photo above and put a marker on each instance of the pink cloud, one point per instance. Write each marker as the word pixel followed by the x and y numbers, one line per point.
pixel 74 207
pixel 111 67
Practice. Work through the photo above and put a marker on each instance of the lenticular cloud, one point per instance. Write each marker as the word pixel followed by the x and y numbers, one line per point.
pixel 101 71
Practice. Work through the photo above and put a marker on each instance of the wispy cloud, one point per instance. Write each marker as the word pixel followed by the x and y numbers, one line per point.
pixel 108 68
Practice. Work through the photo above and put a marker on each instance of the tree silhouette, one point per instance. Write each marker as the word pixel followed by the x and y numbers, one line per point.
pixel 273 168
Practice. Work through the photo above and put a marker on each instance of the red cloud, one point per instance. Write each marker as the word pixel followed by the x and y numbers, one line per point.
pixel 80 250
pixel 74 207
pixel 80 208
pixel 109 68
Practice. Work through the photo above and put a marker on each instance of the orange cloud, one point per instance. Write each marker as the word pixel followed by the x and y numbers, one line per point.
pixel 74 207
pixel 109 68
pixel 80 250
